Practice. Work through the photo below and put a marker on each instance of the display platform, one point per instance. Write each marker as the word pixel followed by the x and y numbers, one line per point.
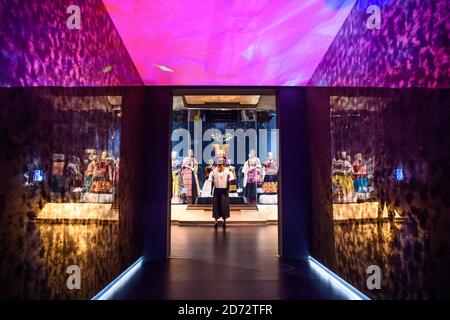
pixel 77 212
pixel 233 207
pixel 239 215
pixel 239 200
pixel 359 211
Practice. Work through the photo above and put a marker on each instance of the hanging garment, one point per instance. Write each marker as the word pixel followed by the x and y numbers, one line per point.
pixel 233 181
pixel 252 171
pixel 360 181
pixel 271 167
pixel 88 176
pixel 101 179
pixel 176 181
pixel 189 176
pixel 270 184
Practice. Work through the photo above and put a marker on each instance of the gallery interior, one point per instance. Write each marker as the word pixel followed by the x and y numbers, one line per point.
pixel 206 127
pixel 336 138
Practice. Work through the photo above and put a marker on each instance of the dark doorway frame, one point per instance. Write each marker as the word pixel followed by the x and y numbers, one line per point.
pixel 293 215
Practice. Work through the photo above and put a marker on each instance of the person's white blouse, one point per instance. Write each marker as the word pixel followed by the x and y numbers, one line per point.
pixel 221 179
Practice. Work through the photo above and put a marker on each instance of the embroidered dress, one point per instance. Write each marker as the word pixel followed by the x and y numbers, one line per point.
pixel 270 184
pixel 342 181
pixel 176 181
pixel 233 184
pixel 252 178
pixel 88 176
pixel 101 180
pixel 360 181
pixel 189 177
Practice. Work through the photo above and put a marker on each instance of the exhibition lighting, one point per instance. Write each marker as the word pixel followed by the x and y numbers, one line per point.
pixel 344 287
pixel 227 43
pixel 119 282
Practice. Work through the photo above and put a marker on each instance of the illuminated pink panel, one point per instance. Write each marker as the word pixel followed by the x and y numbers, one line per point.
pixel 234 42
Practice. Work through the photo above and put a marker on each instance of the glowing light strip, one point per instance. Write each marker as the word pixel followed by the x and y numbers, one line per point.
pixel 118 282
pixel 351 292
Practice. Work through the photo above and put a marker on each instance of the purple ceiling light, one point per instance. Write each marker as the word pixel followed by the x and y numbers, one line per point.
pixel 238 42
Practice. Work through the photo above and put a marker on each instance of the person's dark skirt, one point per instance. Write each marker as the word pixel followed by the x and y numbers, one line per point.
pixel 221 203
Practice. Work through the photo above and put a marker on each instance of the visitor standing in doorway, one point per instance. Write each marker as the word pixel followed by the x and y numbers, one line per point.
pixel 220 178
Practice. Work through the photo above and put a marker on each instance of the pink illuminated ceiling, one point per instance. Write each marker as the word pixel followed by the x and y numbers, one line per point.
pixel 227 42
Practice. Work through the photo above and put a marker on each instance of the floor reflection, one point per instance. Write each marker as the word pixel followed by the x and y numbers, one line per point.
pixel 399 248
pixel 38 270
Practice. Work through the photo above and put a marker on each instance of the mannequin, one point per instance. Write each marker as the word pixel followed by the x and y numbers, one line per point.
pixel 74 176
pixel 233 181
pixel 89 173
pixel 102 176
pixel 252 176
pixel 342 179
pixel 359 168
pixel 270 184
pixel 176 181
pixel 189 169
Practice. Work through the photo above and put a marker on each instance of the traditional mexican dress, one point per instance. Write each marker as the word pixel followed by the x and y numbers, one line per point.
pixel 252 177
pixel 342 181
pixel 270 184
pixel 189 176
pixel 360 181
pixel 176 181
pixel 88 176
pixel 101 180
pixel 233 181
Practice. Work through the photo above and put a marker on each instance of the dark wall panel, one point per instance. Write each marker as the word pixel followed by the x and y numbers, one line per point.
pixel 155 172
pixel 406 235
pixel 321 226
pixel 34 254
pixel 294 176
pixel 131 154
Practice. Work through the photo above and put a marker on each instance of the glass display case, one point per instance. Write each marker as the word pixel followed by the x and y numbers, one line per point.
pixel 246 137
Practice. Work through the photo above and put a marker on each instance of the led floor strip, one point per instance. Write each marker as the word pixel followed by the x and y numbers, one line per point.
pixel 118 282
pixel 348 290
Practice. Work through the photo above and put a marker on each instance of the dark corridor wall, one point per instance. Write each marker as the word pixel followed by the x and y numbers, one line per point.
pixel 34 255
pixel 411 245
pixel 410 49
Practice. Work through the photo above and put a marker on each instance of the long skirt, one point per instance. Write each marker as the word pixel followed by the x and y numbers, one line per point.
pixel 250 192
pixel 270 184
pixel 189 183
pixel 221 203
pixel 360 184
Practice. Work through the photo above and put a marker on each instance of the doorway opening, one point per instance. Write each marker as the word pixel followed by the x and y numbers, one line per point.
pixel 243 129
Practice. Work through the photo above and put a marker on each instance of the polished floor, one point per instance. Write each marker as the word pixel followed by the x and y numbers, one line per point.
pixel 240 263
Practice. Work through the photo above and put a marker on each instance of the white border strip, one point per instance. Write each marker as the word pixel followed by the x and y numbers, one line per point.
pixel 107 292
pixel 351 292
